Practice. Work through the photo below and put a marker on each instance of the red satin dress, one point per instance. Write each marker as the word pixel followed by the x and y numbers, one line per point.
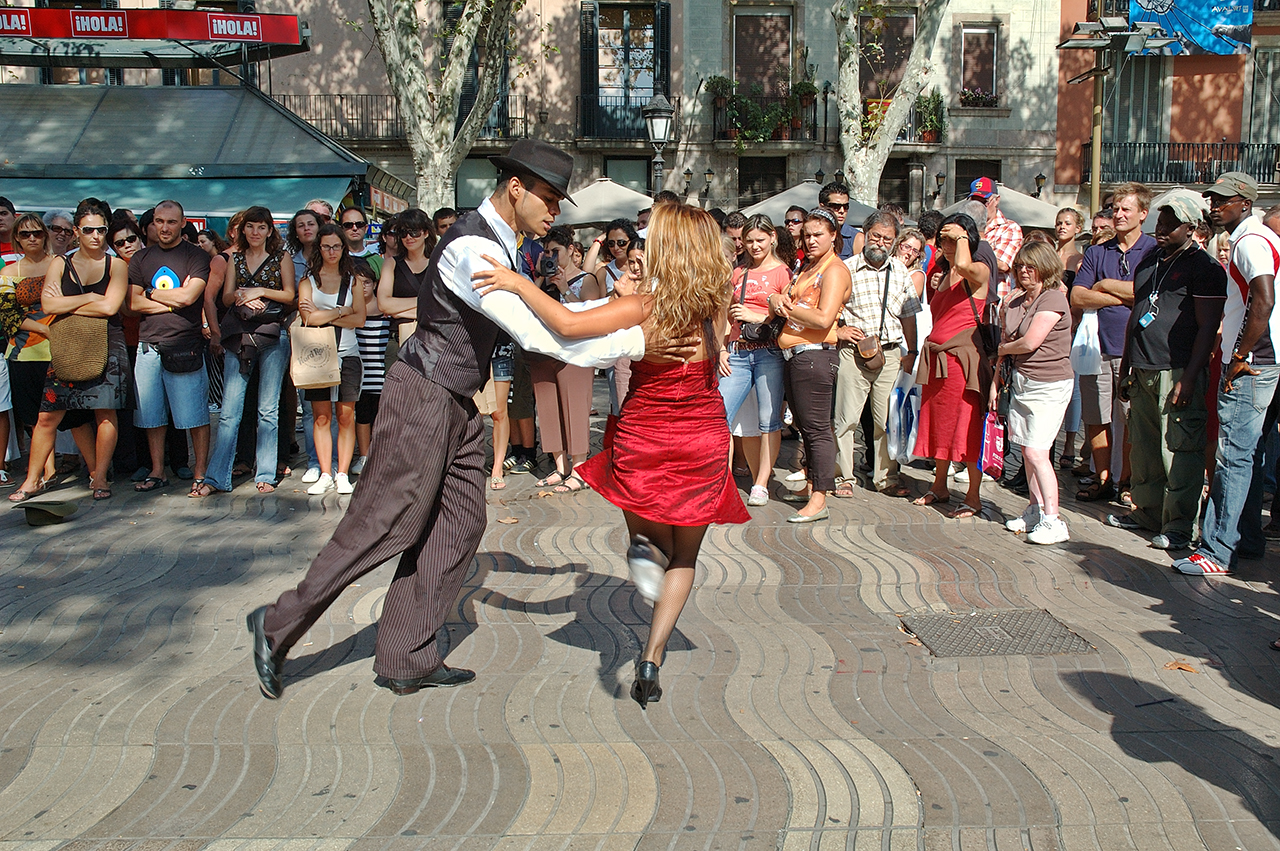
pixel 666 458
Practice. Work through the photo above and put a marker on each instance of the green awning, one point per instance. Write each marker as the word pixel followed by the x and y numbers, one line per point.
pixel 216 197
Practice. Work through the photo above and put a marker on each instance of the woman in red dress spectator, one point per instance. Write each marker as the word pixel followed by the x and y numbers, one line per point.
pixel 954 371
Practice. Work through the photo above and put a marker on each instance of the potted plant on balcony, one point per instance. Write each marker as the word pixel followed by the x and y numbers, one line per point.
pixel 930 120
pixel 978 98
pixel 776 117
pixel 719 88
pixel 805 92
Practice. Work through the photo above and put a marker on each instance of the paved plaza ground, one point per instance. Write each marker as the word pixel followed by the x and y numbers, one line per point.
pixel 797 714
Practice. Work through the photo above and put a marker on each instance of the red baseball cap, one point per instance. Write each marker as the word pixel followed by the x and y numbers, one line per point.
pixel 984 188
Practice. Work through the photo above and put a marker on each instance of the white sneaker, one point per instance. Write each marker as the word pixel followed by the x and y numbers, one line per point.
pixel 323 484
pixel 343 483
pixel 312 475
pixel 1049 532
pixel 961 475
pixel 1030 517
pixel 759 496
pixel 358 467
pixel 797 476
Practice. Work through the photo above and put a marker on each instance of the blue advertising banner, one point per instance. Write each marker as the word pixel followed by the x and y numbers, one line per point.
pixel 1200 26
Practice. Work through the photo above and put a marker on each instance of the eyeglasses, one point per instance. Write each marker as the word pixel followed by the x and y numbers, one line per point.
pixel 907 249
pixel 879 239
pixel 1018 267
pixel 330 247
pixel 831 206
pixel 128 240
pixel 354 225
pixel 409 234
pixel 795 221
pixel 90 231
pixel 60 230
pixel 617 243
pixel 30 234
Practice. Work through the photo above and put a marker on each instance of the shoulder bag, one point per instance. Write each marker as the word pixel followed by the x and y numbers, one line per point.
pixel 868 349
pixel 272 311
pixel 758 333
pixel 78 344
pixel 314 361
pixel 988 332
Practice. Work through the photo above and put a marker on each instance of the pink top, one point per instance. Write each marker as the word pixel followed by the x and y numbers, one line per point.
pixel 760 285
pixel 951 311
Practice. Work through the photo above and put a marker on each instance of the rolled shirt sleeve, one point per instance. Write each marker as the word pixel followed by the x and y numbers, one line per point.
pixel 462 258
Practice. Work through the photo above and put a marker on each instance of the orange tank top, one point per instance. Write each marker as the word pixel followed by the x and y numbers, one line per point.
pixel 806 294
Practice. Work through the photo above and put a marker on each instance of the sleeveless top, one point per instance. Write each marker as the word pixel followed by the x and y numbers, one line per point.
pixel 348 345
pixel 71 287
pixel 406 282
pixel 19 300
pixel 267 275
pixel 793 333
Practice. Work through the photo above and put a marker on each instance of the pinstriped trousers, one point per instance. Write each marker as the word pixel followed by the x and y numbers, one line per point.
pixel 421 497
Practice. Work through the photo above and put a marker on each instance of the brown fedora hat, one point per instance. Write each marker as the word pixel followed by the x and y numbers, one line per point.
pixel 545 162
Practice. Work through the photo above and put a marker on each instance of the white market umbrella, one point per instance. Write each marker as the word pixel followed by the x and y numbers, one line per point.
pixel 803 195
pixel 1202 203
pixel 603 201
pixel 1021 208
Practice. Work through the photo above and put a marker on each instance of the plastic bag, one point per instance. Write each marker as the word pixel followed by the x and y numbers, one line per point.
pixel 904 418
pixel 993 445
pixel 1086 348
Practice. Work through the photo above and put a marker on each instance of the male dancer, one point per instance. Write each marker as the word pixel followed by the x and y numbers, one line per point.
pixel 421 495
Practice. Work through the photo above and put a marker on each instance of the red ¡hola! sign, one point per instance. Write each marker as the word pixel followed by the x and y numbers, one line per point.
pixel 149 24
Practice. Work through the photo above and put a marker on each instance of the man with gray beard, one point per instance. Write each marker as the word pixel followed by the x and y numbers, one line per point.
pixel 882 303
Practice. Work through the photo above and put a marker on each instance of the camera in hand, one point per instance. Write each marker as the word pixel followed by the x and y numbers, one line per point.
pixel 547 266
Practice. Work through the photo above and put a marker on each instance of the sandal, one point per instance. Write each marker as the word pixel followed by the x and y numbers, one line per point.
pixel 1096 491
pixel 22 496
pixel 555 479
pixel 151 483
pixel 898 491
pixel 965 511
pixel 844 490
pixel 201 489
pixel 572 484
pixel 496 483
pixel 100 493
pixel 931 498
pixel 266 487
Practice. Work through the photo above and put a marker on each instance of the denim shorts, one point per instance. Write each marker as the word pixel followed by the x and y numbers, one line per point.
pixel 161 393
pixel 503 368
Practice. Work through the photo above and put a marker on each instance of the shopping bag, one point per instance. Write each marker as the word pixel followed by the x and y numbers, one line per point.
pixel 904 417
pixel 314 361
pixel 1086 348
pixel 993 445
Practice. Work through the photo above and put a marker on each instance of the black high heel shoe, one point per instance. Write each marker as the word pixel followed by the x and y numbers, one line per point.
pixel 645 689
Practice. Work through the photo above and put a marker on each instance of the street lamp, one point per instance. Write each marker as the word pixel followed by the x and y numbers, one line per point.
pixel 1040 180
pixel 941 178
pixel 840 177
pixel 1108 33
pixel 657 118
pixel 819 175
pixel 688 180
pixel 709 174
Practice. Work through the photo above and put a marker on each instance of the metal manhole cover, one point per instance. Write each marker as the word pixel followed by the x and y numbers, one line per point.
pixel 1008 632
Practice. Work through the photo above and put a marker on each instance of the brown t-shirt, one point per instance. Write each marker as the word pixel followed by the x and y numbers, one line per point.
pixel 1051 361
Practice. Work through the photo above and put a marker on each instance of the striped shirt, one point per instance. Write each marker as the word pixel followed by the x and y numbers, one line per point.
pixel 372 339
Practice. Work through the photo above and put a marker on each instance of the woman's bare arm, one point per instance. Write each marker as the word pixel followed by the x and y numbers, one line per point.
pixel 835 292
pixel 625 312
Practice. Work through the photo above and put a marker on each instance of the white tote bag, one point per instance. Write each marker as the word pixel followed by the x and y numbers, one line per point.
pixel 1086 348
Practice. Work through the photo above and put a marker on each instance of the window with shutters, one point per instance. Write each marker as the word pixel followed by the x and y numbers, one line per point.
pixel 498 123
pixel 761 50
pixel 626 58
pixel 886 46
pixel 760 178
pixel 980 45
pixel 1135 99
pixel 1265 115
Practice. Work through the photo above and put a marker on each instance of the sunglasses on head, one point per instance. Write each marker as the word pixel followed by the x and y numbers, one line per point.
pixel 354 225
pixel 30 234
pixel 102 229
pixel 126 240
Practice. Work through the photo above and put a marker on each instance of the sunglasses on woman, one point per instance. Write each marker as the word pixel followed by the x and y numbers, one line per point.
pixel 128 240
pixel 90 231
pixel 617 243
pixel 30 234
pixel 409 234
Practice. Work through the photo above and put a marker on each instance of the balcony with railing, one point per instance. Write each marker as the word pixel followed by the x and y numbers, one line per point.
pixel 618 118
pixel 764 119
pixel 376 118
pixel 1183 162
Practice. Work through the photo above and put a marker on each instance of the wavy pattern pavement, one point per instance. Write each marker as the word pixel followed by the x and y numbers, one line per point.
pixel 796 714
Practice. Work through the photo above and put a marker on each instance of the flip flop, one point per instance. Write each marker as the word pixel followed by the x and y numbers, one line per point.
pixel 965 511
pixel 844 490
pixel 496 483
pixel 151 483
pixel 23 496
pixel 201 490
pixel 266 487
pixel 100 493
pixel 931 498
pixel 898 491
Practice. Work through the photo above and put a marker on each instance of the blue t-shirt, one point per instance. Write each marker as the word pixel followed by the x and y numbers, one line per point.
pixel 847 233
pixel 1108 260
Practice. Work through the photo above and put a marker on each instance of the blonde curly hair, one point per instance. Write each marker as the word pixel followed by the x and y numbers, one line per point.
pixel 688 274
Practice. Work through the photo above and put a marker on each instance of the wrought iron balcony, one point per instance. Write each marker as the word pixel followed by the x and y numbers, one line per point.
pixel 618 117
pixel 760 118
pixel 376 118
pixel 1183 162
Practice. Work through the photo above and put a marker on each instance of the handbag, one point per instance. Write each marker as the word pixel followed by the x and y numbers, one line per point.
pixel 993 445
pixel 78 344
pixel 272 311
pixel 313 361
pixel 757 333
pixel 868 349
pixel 988 332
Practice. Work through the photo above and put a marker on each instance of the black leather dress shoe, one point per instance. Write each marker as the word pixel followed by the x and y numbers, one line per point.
pixel 442 677
pixel 265 662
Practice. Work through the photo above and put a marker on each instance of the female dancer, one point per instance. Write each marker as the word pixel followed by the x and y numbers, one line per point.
pixel 665 462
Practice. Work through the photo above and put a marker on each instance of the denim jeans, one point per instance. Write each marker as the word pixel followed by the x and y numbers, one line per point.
pixel 1233 519
pixel 761 369
pixel 272 363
